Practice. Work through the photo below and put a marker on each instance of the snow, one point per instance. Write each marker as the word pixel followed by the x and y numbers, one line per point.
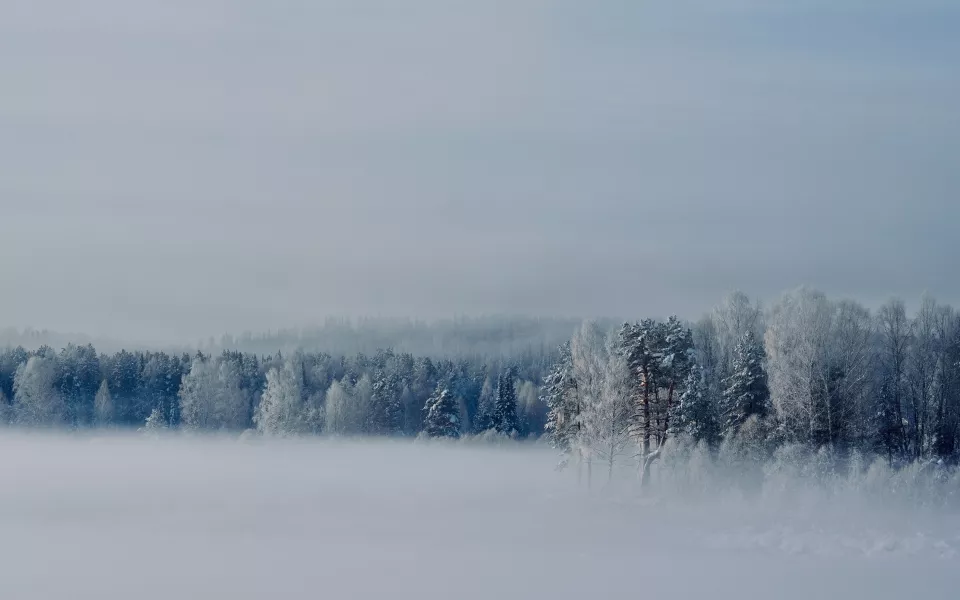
pixel 122 517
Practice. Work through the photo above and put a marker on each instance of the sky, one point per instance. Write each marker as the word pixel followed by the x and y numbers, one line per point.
pixel 178 169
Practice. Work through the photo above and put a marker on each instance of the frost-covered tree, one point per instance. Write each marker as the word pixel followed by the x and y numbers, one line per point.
pixel 6 410
pixel 363 405
pixel 845 380
pixel 340 416
pixel 733 318
pixel 658 356
pixel 796 341
pixel 945 428
pixel 442 417
pixel 156 422
pixel 160 381
pixel 642 347
pixel 37 402
pixel 921 377
pixel 281 408
pixel 211 396
pixel 486 405
pixel 531 412
pixel 746 392
pixel 893 328
pixel 78 376
pixel 559 394
pixel 505 419
pixel 603 384
pixel 696 415
pixel 124 375
pixel 386 410
pixel 676 354
pixel 103 406
pixel 606 419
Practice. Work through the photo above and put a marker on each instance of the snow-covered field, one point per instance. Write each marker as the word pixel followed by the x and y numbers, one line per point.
pixel 177 518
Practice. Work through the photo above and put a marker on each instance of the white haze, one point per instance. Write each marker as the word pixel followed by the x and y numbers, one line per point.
pixel 122 517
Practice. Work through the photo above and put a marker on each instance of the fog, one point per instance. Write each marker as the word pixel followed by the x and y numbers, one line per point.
pixel 175 170
pixel 121 517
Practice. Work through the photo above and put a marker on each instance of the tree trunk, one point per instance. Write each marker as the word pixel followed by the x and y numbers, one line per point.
pixel 646 410
pixel 645 464
pixel 666 419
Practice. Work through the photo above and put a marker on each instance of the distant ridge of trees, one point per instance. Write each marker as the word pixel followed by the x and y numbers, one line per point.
pixel 502 336
pixel 495 335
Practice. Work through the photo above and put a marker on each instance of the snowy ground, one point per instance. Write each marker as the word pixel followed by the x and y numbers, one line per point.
pixel 135 518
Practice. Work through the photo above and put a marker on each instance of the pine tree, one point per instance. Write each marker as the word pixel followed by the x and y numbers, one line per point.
pixel 675 363
pixel 442 415
pixel 746 392
pixel 642 345
pixel 505 420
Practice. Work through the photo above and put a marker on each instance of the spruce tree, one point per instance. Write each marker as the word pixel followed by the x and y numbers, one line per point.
pixel 558 393
pixel 695 414
pixel 386 413
pixel 486 403
pixel 505 420
pixel 746 392
pixel 442 418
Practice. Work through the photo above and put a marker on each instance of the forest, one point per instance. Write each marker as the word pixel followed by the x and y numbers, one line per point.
pixel 829 376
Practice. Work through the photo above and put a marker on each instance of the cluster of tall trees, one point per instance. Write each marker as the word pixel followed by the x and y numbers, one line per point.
pixel 809 370
pixel 385 394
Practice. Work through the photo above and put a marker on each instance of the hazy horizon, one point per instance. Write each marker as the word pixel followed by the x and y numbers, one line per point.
pixel 203 338
pixel 180 170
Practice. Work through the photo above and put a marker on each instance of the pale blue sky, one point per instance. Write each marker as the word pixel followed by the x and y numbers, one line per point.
pixel 181 168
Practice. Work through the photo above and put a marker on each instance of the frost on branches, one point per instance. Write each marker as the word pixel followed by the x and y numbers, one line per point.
pixel 746 393
pixel 443 415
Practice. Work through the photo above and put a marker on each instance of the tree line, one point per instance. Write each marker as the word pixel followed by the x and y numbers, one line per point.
pixel 827 375
pixel 811 371
pixel 387 393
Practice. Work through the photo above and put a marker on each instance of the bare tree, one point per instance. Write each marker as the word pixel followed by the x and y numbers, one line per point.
pixel 921 375
pixel 796 340
pixel 894 333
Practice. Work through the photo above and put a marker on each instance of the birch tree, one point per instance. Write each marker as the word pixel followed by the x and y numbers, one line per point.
pixel 795 343
pixel 37 402
pixel 602 375
pixel 103 406
pixel 281 408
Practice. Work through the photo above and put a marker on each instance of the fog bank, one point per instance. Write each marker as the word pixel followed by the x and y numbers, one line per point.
pixel 121 517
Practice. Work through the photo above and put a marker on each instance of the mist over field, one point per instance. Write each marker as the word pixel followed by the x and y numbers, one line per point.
pixel 122 516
